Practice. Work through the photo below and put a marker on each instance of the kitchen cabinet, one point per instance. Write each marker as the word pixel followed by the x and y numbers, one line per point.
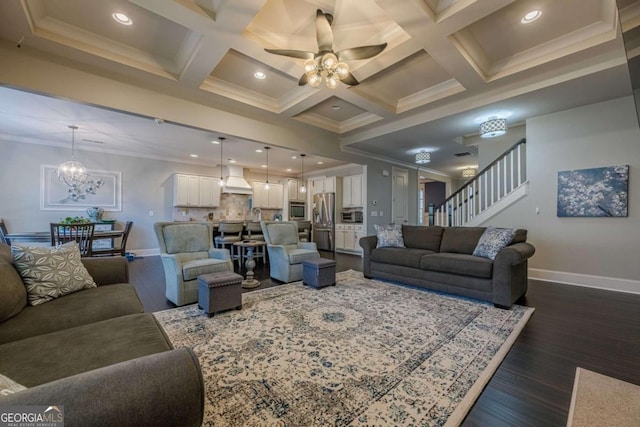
pixel 352 191
pixel 273 198
pixel 195 191
pixel 348 237
pixel 295 195
pixel 324 185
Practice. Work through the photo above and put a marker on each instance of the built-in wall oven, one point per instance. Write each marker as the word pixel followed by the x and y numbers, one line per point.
pixel 297 210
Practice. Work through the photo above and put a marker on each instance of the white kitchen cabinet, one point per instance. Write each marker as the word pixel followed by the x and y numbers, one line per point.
pixel 358 234
pixel 195 191
pixel 273 198
pixel 294 187
pixel 339 238
pixel 209 191
pixel 324 185
pixel 348 237
pixel 352 191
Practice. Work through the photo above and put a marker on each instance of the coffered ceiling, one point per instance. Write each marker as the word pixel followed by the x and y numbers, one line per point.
pixel 449 64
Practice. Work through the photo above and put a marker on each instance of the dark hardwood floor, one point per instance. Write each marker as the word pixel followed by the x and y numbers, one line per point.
pixel 572 326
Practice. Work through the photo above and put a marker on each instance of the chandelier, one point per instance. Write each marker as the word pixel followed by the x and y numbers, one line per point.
pixel 468 173
pixel 303 189
pixel 75 175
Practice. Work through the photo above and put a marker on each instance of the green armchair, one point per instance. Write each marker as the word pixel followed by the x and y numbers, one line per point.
pixel 286 252
pixel 186 250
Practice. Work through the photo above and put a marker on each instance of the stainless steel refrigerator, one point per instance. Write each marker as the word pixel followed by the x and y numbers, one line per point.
pixel 324 225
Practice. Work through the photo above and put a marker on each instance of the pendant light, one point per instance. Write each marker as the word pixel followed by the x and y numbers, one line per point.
pixel 303 189
pixel 73 173
pixel 221 138
pixel 266 187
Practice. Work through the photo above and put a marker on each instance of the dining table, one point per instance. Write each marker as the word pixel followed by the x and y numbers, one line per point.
pixel 45 236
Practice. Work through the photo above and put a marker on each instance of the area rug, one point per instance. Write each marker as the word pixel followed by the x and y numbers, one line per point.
pixel 361 353
pixel 599 400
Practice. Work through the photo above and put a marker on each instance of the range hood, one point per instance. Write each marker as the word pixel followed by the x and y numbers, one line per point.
pixel 235 182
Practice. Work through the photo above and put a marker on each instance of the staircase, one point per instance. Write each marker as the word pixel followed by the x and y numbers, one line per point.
pixel 497 186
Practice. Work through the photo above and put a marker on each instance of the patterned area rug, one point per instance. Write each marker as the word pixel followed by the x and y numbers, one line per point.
pixel 361 353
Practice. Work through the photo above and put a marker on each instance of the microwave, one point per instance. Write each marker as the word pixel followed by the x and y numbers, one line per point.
pixel 297 210
pixel 352 216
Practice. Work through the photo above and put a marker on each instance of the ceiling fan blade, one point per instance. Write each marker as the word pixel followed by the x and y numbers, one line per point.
pixel 362 52
pixel 350 80
pixel 323 32
pixel 302 54
pixel 303 80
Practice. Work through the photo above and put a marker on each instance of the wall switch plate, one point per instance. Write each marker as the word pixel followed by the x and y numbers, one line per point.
pixel 374 213
pixel 381 214
pixel 150 213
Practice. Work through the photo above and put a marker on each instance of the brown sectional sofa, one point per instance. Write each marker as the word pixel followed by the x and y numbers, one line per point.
pixel 96 352
pixel 441 259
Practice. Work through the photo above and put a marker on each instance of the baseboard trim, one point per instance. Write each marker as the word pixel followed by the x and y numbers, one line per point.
pixel 586 280
pixel 145 252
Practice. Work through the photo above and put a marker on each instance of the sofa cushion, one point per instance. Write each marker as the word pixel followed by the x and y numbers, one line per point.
pixel 185 237
pixel 420 237
pixel 492 241
pixel 50 272
pixel 192 269
pixel 461 264
pixel 79 308
pixel 407 257
pixel 48 357
pixel 13 294
pixel 298 256
pixel 460 240
pixel 389 236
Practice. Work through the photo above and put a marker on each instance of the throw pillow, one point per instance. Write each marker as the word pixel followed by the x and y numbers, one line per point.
pixel 492 241
pixel 50 272
pixel 9 386
pixel 389 236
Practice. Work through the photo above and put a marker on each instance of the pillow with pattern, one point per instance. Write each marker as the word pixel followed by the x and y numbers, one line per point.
pixel 492 241
pixel 50 272
pixel 389 236
pixel 9 386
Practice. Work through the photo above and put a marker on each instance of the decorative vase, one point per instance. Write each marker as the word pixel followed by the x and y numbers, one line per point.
pixel 95 214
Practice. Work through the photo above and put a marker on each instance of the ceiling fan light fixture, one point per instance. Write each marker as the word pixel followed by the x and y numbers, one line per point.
pixel 310 66
pixel 329 61
pixel 315 79
pixel 332 81
pixel 342 70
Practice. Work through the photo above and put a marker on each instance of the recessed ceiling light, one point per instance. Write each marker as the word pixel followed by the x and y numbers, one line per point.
pixel 294 157
pixel 531 16
pixel 258 151
pixel 121 18
pixel 231 160
pixel 336 107
pixel 263 166
pixel 321 163
pixel 193 155
pixel 259 75
pixel 289 169
pixel 215 141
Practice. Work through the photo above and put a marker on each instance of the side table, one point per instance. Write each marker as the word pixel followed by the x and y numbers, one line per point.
pixel 246 248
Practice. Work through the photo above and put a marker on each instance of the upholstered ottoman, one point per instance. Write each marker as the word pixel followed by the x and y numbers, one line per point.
pixel 219 291
pixel 319 273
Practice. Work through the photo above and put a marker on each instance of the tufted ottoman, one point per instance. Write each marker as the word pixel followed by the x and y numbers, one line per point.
pixel 219 291
pixel 319 273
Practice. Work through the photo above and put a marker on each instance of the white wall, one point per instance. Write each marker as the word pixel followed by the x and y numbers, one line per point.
pixel 604 134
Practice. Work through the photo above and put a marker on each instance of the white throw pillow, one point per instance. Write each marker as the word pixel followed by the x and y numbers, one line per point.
pixel 389 236
pixel 492 241
pixel 50 272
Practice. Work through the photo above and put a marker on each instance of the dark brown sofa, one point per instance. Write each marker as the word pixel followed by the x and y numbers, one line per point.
pixel 96 353
pixel 441 259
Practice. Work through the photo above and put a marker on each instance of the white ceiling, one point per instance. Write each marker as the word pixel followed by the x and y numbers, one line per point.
pixel 449 64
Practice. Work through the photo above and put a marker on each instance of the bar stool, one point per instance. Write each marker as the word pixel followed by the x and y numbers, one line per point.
pixel 233 231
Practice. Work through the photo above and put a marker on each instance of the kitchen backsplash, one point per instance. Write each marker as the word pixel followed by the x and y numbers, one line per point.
pixel 233 207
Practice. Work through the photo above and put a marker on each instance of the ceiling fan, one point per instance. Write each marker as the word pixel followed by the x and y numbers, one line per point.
pixel 326 63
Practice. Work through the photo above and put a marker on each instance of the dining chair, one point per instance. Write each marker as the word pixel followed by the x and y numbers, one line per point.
pixel 3 233
pixel 230 232
pixel 81 233
pixel 116 250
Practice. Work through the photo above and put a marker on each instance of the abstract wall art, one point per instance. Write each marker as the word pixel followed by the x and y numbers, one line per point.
pixel 595 192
